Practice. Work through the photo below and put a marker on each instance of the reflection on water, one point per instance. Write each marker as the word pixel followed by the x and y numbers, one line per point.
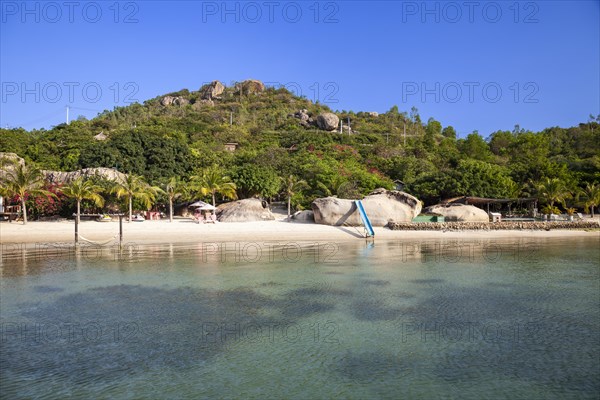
pixel 456 319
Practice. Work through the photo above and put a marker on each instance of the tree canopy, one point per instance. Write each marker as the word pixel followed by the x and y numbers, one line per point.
pixel 160 142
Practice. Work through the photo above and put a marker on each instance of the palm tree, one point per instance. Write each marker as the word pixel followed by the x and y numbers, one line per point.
pixel 337 186
pixel 80 189
pixel 174 188
pixel 591 196
pixel 514 191
pixel 292 185
pixel 212 182
pixel 3 163
pixel 6 162
pixel 22 181
pixel 552 191
pixel 134 187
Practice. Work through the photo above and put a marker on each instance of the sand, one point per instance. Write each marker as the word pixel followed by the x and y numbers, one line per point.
pixel 183 230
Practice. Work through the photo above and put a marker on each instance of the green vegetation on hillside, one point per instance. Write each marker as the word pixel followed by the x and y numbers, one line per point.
pixel 160 142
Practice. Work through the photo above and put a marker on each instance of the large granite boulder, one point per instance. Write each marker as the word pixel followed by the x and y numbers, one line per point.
pixel 62 177
pixel 328 121
pixel 459 213
pixel 212 91
pixel 10 160
pixel 246 210
pixel 381 206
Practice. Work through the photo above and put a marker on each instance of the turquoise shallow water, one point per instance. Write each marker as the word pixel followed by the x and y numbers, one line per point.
pixel 403 319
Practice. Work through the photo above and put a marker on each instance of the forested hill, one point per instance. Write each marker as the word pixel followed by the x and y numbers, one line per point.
pixel 278 134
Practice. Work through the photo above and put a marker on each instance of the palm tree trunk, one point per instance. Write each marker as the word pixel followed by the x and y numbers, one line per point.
pixel 289 208
pixel 24 210
pixel 214 201
pixel 130 207
pixel 78 210
pixel 170 209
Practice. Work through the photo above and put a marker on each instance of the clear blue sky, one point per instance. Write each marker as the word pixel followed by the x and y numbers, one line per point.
pixel 447 59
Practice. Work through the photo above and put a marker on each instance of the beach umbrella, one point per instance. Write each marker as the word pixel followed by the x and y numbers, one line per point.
pixel 202 206
pixel 198 204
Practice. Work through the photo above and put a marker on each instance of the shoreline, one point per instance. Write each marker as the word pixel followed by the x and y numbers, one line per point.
pixel 186 231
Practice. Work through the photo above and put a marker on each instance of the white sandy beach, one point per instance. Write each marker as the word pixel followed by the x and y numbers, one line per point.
pixel 183 230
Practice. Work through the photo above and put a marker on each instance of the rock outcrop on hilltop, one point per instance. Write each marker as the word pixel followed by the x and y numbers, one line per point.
pixel 459 213
pixel 246 210
pixel 250 86
pixel 212 91
pixel 174 100
pixel 381 206
pixel 325 121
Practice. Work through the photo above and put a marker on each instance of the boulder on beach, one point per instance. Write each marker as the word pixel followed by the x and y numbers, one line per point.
pixel 381 206
pixel 246 210
pixel 459 213
pixel 304 216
